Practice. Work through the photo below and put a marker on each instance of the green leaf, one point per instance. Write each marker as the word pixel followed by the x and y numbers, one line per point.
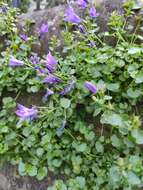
pixel 81 147
pixel 113 87
pixel 138 135
pixel 134 50
pixel 31 170
pixel 133 93
pixel 34 89
pixel 99 147
pixel 116 142
pixel 112 119
pixel 81 181
pixel 139 77
pixel 114 176
pixel 90 136
pixel 21 168
pixel 40 152
pixel 133 179
pixel 57 162
pixel 65 103
pixel 42 173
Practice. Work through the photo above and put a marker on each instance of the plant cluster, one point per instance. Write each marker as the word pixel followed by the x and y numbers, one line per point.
pixel 88 127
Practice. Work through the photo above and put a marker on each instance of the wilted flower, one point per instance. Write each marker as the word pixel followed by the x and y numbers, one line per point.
pixel 44 29
pixel 91 87
pixel 24 37
pixel 71 16
pixel 82 29
pixel 68 88
pixel 93 13
pixel 48 93
pixel 26 113
pixel 82 3
pixel 52 79
pixel 51 62
pixel 15 62
pixel 34 59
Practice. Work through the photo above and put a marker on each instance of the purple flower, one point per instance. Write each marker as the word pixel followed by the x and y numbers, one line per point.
pixel 51 62
pixel 82 29
pixel 44 29
pixel 26 113
pixel 82 3
pixel 68 88
pixel 41 71
pixel 93 13
pixel 71 16
pixel 34 59
pixel 3 9
pixel 48 93
pixel 52 79
pixel 15 62
pixel 24 37
pixel 91 87
pixel 92 44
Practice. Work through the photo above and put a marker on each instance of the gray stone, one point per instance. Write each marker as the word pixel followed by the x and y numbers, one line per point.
pixel 54 16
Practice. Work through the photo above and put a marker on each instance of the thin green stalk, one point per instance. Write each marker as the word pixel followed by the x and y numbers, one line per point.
pixel 134 34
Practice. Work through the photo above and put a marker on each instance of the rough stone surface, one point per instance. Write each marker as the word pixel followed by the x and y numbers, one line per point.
pixel 10 180
pixel 54 16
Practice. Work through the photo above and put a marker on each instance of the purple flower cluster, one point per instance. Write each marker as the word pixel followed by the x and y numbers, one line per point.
pixel 50 65
pixel 26 113
pixel 71 16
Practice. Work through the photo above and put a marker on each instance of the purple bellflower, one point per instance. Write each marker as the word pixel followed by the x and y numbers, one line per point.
pixel 15 62
pixel 34 59
pixel 51 79
pixel 51 62
pixel 24 37
pixel 3 9
pixel 26 113
pixel 68 88
pixel 91 87
pixel 71 16
pixel 93 13
pixel 43 29
pixel 92 44
pixel 82 29
pixel 82 3
pixel 48 93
